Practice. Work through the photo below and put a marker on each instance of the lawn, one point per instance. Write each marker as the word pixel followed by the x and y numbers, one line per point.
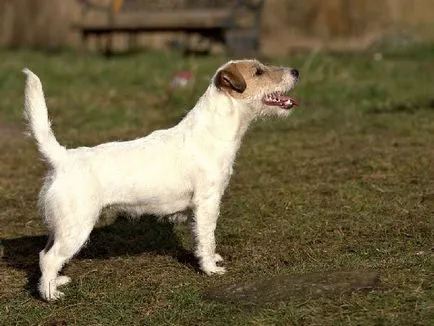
pixel 346 183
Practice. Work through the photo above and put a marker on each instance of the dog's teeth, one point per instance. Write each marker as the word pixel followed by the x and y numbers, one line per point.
pixel 274 97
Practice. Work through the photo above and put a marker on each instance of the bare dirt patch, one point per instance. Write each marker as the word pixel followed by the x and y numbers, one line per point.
pixel 296 286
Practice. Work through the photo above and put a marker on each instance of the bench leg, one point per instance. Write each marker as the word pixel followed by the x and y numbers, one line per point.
pixel 133 41
pixel 109 45
pixel 84 43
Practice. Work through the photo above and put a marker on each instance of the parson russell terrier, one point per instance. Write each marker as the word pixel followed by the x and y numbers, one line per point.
pixel 168 173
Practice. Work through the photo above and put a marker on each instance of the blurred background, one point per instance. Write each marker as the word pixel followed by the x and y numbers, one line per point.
pixel 285 24
pixel 344 184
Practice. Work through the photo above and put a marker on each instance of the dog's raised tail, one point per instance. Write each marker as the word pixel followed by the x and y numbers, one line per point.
pixel 36 113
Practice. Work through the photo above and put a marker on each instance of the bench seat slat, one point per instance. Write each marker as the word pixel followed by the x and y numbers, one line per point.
pixel 185 20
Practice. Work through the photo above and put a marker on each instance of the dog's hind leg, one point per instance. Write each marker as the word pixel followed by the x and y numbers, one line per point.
pixel 65 241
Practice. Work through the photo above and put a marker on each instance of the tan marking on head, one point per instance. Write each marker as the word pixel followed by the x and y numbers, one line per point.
pixel 252 75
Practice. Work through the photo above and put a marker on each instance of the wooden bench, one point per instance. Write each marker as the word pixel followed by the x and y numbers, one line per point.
pixel 235 23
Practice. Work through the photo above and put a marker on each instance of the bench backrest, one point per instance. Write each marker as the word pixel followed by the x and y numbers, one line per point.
pixel 174 14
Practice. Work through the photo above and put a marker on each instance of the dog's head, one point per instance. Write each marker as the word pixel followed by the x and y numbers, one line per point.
pixel 263 89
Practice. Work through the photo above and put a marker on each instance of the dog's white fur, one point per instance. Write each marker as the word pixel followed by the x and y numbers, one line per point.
pixel 167 173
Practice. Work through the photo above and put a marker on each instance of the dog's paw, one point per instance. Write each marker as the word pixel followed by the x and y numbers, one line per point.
pixel 218 270
pixel 62 280
pixel 56 295
pixel 218 258
pixel 52 295
pixel 213 269
pixel 48 290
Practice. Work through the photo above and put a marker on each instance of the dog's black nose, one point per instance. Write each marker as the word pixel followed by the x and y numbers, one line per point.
pixel 295 73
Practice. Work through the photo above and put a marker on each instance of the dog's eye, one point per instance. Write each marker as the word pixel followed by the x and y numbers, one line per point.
pixel 259 71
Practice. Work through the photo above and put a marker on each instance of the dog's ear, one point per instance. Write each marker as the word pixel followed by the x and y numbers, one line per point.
pixel 230 78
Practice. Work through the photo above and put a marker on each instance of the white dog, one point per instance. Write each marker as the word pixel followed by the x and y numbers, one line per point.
pixel 167 173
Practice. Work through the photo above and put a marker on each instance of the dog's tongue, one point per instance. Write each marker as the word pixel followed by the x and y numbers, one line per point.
pixel 289 101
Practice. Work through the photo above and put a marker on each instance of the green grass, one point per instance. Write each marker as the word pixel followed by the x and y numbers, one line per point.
pixel 346 183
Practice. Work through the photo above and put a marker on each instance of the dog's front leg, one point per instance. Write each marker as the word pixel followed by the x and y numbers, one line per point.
pixel 205 221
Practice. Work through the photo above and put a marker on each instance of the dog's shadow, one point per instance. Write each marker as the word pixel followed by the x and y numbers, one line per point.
pixel 122 237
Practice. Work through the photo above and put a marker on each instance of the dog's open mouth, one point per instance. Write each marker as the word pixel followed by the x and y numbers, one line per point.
pixel 280 99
